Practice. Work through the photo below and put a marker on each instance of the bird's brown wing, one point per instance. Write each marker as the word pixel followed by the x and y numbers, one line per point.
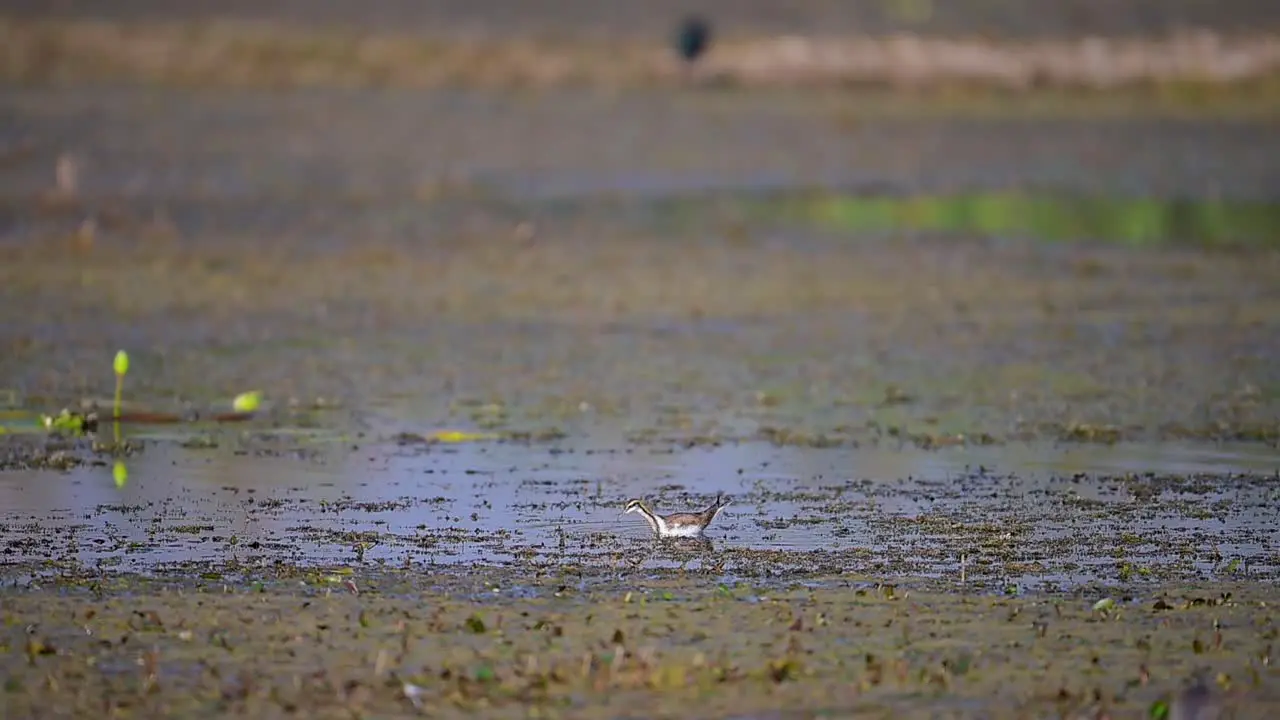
pixel 684 519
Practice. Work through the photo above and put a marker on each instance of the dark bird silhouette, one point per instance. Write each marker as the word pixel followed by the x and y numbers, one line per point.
pixel 693 38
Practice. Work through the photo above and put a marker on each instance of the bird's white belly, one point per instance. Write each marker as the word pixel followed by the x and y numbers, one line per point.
pixel 683 531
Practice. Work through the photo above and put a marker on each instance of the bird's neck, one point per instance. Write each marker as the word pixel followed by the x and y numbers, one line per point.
pixel 658 524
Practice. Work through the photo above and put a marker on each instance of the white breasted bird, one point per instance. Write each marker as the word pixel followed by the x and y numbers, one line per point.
pixel 678 525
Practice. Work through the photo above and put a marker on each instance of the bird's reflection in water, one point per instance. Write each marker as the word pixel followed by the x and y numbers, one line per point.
pixel 687 545
pixel 679 550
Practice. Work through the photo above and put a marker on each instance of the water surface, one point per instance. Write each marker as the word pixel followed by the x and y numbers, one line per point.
pixel 1010 516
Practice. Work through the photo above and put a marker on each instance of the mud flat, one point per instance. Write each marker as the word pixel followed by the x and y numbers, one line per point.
pixel 569 645
pixel 992 386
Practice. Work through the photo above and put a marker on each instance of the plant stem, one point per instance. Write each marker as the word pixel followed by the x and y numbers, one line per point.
pixel 115 425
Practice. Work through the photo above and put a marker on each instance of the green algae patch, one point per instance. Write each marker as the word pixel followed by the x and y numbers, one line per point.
pixel 1130 221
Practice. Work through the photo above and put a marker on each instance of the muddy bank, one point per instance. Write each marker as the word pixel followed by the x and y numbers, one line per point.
pixel 247 55
pixel 331 645
pixel 937 340
pixel 655 19
pixel 563 271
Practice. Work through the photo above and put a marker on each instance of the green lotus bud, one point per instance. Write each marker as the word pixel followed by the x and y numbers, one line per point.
pixel 247 402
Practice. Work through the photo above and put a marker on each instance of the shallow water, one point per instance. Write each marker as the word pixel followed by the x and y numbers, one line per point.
pixel 1017 516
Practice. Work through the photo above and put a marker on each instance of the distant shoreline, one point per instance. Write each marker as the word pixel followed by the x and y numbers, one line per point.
pixel 258 54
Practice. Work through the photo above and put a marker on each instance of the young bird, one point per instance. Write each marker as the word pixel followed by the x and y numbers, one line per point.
pixel 678 525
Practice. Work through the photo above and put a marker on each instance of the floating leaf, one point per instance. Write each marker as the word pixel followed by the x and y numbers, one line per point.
pixel 247 402
pixel 121 363
pixel 64 421
pixel 459 436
